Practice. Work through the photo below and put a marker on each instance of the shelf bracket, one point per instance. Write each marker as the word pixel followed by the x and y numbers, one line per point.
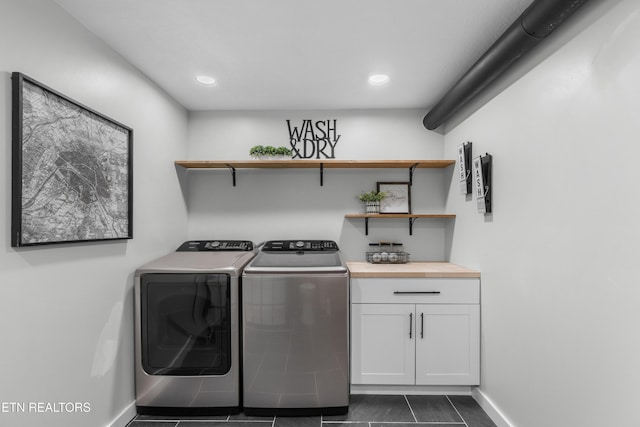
pixel 411 221
pixel 411 169
pixel 366 226
pixel 321 174
pixel 233 173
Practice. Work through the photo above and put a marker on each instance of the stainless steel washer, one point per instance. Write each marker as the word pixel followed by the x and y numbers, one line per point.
pixel 295 299
pixel 187 356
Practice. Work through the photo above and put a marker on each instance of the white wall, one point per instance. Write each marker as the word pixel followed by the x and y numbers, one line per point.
pixel 66 312
pixel 291 204
pixel 560 292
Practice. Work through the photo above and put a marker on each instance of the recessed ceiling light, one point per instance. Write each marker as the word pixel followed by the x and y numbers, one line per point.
pixel 378 79
pixel 206 80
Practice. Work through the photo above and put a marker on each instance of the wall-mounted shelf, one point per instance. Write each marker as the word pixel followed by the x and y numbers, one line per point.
pixel 411 217
pixel 232 165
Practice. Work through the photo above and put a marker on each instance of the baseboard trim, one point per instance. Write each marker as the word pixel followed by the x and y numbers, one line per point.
pixel 410 389
pixel 125 416
pixel 490 408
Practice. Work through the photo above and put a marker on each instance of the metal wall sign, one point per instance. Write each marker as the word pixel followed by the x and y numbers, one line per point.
pixel 464 168
pixel 314 139
pixel 483 185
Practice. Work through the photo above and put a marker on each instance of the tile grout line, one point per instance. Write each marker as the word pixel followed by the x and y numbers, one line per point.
pixel 415 420
pixel 457 412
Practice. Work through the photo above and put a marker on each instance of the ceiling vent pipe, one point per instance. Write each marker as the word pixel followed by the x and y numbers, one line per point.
pixel 535 23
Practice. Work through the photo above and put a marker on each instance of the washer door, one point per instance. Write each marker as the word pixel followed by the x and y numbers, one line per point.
pixel 186 324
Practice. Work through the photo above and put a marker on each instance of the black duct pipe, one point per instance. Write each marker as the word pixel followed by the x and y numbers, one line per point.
pixel 535 23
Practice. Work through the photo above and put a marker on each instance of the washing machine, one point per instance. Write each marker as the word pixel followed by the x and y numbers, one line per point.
pixel 295 330
pixel 187 325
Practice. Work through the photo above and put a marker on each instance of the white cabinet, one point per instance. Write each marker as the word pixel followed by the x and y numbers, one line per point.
pixel 415 331
pixel 381 350
pixel 448 345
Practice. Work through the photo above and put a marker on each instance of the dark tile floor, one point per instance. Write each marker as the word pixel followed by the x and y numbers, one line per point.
pixel 364 411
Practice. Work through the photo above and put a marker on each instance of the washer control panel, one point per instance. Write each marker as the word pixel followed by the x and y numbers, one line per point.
pixel 299 245
pixel 216 245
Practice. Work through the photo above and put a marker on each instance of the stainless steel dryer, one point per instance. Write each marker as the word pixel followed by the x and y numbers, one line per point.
pixel 187 353
pixel 295 330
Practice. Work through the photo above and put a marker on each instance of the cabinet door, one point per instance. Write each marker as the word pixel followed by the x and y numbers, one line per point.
pixel 448 344
pixel 382 352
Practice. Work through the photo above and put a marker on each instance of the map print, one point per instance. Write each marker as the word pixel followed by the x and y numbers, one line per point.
pixel 75 172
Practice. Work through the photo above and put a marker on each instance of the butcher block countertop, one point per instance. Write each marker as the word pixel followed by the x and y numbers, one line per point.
pixel 411 269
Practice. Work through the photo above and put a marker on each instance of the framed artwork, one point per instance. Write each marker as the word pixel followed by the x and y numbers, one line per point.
pixel 398 199
pixel 72 172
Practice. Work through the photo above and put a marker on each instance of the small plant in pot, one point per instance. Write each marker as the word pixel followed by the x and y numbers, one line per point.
pixel 372 200
pixel 269 152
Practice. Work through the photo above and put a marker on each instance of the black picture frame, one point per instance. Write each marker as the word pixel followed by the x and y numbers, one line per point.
pixel 398 197
pixel 72 170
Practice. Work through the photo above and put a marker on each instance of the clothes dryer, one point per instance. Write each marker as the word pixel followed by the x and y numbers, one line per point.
pixel 187 346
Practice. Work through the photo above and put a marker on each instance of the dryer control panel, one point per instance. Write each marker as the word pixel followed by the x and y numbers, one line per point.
pixel 216 245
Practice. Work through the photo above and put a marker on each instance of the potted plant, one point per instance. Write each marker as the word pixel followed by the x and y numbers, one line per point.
pixel 371 200
pixel 269 152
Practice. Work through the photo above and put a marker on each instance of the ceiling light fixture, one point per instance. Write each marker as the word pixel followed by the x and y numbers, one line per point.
pixel 206 80
pixel 378 79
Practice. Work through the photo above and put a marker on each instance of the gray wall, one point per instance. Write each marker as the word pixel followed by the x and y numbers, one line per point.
pixel 66 312
pixel 559 291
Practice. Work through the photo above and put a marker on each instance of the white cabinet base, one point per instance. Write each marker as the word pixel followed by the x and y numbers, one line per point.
pixel 415 332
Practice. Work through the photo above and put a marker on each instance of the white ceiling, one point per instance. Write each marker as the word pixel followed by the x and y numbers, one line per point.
pixel 299 54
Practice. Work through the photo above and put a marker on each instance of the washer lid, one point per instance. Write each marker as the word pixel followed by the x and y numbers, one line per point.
pixel 297 256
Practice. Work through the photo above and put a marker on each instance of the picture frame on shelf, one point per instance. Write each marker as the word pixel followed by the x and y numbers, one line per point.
pixel 398 197
pixel 72 171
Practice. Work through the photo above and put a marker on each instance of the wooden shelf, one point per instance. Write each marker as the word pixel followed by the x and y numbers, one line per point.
pixel 400 216
pixel 410 217
pixel 301 164
pixel 319 164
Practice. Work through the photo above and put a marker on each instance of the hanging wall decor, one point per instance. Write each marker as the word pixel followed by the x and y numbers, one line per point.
pixel 464 168
pixel 482 179
pixel 314 139
pixel 71 170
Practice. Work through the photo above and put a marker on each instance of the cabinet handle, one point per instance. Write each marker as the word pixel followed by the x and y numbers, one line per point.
pixel 421 325
pixel 410 325
pixel 415 292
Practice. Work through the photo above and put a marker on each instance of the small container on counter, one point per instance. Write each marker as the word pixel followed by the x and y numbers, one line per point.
pixel 387 253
